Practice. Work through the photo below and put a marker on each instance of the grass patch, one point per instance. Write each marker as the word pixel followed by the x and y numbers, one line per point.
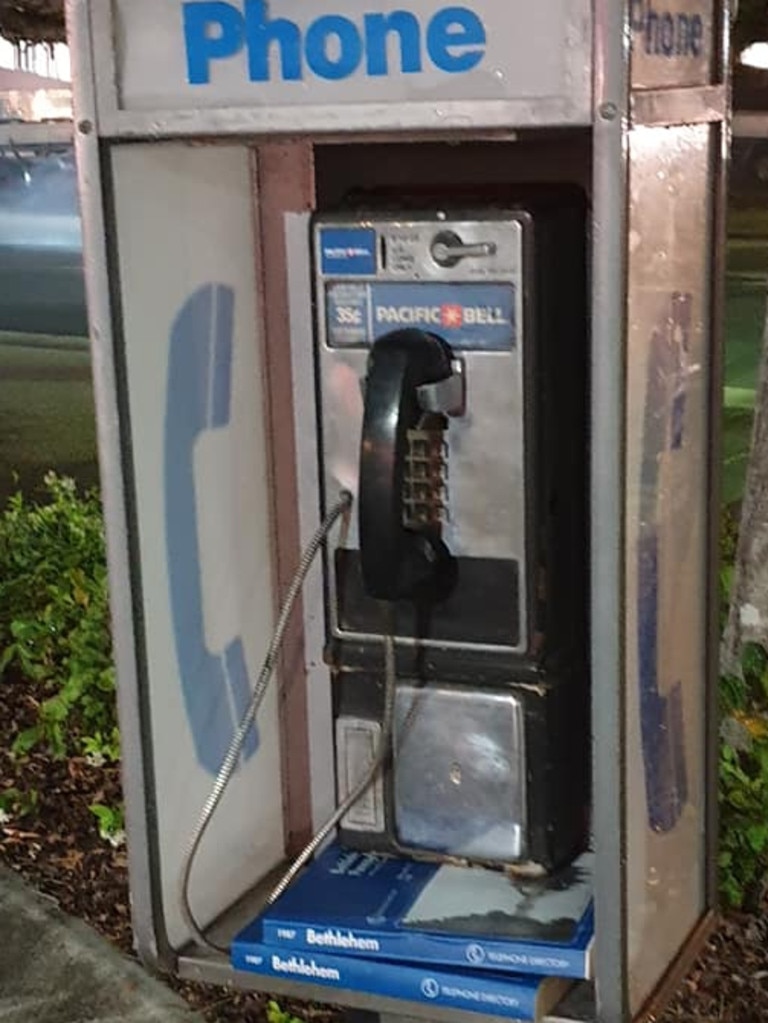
pixel 747 222
pixel 46 416
pixel 744 318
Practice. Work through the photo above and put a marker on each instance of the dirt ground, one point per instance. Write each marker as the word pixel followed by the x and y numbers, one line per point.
pixel 58 850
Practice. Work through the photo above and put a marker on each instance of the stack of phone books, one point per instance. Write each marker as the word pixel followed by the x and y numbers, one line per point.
pixel 455 937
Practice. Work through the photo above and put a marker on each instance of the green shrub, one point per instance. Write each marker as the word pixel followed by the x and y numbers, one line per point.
pixel 743 858
pixel 15 803
pixel 54 619
pixel 111 822
pixel 54 632
pixel 743 765
pixel 277 1014
pixel 729 540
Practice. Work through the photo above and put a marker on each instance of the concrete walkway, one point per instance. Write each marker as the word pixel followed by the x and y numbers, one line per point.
pixel 54 969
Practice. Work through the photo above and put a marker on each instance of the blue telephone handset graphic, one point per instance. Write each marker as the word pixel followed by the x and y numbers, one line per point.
pixel 661 716
pixel 199 390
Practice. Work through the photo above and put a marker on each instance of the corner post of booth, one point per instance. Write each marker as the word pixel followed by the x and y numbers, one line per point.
pixel 662 134
pixel 201 162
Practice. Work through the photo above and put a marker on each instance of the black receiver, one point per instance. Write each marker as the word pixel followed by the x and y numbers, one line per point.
pixel 401 459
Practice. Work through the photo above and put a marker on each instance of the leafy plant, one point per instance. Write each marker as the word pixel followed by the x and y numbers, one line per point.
pixel 743 765
pixel 111 822
pixel 54 619
pixel 276 1014
pixel 743 857
pixel 729 538
pixel 16 804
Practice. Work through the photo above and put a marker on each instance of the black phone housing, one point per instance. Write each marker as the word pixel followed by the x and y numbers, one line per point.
pixel 453 637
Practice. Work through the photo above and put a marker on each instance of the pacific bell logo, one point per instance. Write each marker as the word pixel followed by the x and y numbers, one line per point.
pixel 452 316
pixel 449 315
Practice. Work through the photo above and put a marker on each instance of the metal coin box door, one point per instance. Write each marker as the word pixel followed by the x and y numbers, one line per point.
pixel 432 292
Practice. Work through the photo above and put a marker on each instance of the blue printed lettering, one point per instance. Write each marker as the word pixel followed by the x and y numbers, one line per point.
pixel 331 47
pixel 456 40
pixel 696 39
pixel 377 30
pixel 261 34
pixel 667 33
pixel 320 35
pixel 212 31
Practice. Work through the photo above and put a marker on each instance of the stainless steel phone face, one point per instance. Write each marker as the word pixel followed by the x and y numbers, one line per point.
pixel 462 279
pixel 459 772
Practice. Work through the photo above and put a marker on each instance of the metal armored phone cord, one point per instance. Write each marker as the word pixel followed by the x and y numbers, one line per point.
pixel 233 753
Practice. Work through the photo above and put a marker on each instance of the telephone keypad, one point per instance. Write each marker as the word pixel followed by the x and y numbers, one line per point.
pixel 425 491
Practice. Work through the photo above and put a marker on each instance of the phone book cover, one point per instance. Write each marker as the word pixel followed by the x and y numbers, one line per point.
pixel 378 906
pixel 522 998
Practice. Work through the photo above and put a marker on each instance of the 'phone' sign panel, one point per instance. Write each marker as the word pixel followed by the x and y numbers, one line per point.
pixel 672 43
pixel 192 54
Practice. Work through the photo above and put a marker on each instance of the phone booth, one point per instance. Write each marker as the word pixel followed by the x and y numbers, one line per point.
pixel 405 326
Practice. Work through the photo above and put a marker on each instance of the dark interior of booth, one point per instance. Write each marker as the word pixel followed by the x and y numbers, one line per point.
pixel 477 168
pixel 464 173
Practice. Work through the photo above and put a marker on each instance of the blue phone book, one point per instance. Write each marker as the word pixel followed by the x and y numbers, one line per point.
pixel 383 907
pixel 516 997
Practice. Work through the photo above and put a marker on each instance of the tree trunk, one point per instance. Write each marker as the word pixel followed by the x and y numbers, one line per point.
pixel 748 611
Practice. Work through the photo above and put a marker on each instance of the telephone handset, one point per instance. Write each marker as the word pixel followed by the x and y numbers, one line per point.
pixel 413 382
pixel 215 683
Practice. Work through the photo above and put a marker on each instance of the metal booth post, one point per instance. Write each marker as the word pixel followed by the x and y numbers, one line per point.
pixel 660 392
pixel 208 135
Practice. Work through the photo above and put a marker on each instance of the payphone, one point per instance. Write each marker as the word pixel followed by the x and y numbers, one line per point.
pixel 450 355
pixel 332 318
pixel 450 351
